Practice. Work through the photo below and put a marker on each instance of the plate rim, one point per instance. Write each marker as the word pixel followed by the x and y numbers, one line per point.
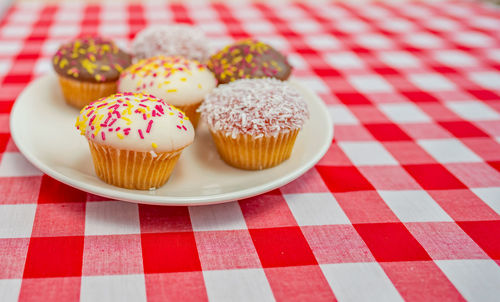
pixel 169 200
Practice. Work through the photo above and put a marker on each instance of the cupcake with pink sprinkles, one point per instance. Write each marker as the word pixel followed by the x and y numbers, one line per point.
pixel 254 122
pixel 135 139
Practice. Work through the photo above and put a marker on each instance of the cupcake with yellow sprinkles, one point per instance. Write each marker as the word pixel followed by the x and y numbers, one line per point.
pixel 182 82
pixel 135 139
pixel 88 69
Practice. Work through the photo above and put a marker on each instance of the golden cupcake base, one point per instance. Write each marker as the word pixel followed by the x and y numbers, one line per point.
pixel 246 152
pixel 79 94
pixel 132 169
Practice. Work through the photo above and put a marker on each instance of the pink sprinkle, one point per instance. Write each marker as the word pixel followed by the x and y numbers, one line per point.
pixel 159 108
pixel 142 105
pixel 179 127
pixel 103 136
pixel 144 116
pixel 184 127
pixel 103 104
pixel 154 113
pixel 140 134
pixel 118 115
pixel 150 124
pixel 117 128
pixel 110 129
pixel 92 119
pixel 90 113
pixel 93 136
pixel 107 119
pixel 112 122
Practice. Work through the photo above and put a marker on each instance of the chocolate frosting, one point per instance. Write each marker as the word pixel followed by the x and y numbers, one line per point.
pixel 249 59
pixel 96 60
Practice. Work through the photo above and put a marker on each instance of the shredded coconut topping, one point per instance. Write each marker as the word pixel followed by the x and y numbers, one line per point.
pixel 258 107
pixel 171 40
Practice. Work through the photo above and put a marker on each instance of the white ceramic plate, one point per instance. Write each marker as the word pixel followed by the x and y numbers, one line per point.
pixel 42 126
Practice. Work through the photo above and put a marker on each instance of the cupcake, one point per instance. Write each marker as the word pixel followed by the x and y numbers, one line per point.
pixel 135 139
pixel 171 40
pixel 88 69
pixel 254 122
pixel 249 59
pixel 179 81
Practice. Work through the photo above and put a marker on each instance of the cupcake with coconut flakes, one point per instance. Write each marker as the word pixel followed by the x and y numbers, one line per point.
pixel 171 40
pixel 254 122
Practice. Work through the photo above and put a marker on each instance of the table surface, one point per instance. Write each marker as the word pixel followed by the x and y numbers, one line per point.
pixel 404 206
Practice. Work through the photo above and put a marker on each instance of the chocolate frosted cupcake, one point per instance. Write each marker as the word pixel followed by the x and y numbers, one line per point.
pixel 88 69
pixel 249 59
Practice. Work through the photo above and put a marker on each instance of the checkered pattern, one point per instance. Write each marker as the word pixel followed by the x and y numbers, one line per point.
pixel 404 206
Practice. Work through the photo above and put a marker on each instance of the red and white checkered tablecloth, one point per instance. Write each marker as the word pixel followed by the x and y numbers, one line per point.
pixel 404 206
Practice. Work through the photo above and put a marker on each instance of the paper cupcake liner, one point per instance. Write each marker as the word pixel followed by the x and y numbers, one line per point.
pixel 246 152
pixel 190 111
pixel 132 169
pixel 79 94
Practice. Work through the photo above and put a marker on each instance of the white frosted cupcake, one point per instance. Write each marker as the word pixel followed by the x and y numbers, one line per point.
pixel 171 40
pixel 254 122
pixel 181 82
pixel 135 139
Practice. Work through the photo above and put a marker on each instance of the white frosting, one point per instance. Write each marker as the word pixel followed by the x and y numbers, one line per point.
pixel 176 80
pixel 163 127
pixel 171 40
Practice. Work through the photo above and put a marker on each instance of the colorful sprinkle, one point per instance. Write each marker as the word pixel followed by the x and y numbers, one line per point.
pixel 91 56
pixel 247 58
pixel 98 118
